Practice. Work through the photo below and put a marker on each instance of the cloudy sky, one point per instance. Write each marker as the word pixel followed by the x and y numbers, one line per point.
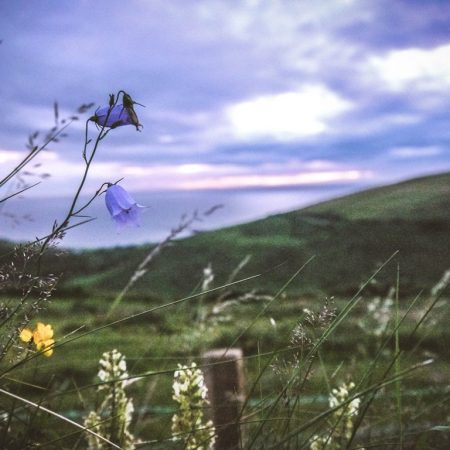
pixel 236 93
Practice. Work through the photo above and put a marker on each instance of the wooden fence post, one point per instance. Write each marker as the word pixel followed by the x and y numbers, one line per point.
pixel 225 383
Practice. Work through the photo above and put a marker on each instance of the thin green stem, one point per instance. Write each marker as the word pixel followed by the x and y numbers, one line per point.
pixel 59 416
pixel 124 319
pixel 371 389
pixel 66 221
pixel 344 313
pixel 33 153
pixel 398 385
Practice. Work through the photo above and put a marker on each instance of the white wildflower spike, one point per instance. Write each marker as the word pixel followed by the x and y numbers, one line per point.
pixel 190 392
pixel 379 314
pixel 113 417
pixel 208 277
pixel 441 284
pixel 341 423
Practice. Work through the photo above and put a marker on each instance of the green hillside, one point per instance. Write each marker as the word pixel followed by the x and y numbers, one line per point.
pixel 426 198
pixel 349 237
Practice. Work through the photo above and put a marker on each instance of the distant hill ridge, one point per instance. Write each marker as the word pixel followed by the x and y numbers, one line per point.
pixel 425 198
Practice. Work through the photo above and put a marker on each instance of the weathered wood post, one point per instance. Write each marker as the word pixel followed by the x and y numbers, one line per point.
pixel 225 383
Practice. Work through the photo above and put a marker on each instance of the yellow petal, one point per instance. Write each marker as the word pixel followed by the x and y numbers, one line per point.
pixel 43 345
pixel 26 335
pixel 42 332
pixel 49 342
pixel 48 352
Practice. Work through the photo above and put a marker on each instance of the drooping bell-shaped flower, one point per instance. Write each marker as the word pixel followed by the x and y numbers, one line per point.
pixel 122 207
pixel 116 116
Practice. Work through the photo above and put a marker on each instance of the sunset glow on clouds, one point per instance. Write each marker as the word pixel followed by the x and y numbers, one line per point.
pixel 193 177
pixel 153 177
pixel 272 180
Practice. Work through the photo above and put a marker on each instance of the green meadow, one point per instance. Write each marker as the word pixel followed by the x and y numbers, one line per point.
pixel 344 291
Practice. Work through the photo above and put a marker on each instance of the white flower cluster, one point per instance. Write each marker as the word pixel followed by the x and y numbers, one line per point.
pixel 439 287
pixel 341 424
pixel 190 392
pixel 340 395
pixel 112 419
pixel 379 313
pixel 208 277
pixel 112 368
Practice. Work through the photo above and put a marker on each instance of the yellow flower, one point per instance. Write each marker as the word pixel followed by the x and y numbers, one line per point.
pixel 26 335
pixel 44 345
pixel 42 337
pixel 42 333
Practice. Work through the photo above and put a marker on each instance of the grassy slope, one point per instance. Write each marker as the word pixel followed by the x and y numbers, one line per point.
pixel 426 198
pixel 342 245
pixel 349 238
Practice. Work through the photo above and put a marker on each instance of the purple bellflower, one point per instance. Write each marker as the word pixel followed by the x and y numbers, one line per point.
pixel 123 209
pixel 119 115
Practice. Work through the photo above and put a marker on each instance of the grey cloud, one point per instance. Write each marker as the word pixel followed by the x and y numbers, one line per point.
pixel 187 61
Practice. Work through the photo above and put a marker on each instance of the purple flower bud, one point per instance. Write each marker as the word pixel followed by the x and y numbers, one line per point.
pixel 123 209
pixel 118 115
